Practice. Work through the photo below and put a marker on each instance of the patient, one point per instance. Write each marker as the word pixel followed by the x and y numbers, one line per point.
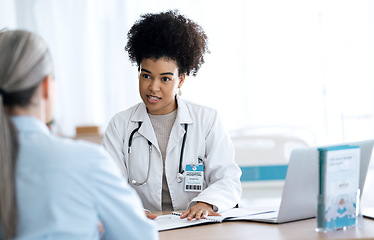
pixel 53 188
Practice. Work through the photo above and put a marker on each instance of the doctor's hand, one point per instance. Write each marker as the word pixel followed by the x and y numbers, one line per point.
pixel 198 211
pixel 150 215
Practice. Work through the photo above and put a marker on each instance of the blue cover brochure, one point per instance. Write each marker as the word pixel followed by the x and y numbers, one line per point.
pixel 338 198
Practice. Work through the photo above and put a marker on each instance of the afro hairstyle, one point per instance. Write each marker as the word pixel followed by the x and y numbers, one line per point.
pixel 168 35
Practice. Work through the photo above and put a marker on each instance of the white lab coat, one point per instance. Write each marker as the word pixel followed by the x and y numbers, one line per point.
pixel 206 139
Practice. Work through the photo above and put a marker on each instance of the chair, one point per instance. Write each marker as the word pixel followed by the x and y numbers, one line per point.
pixel 89 133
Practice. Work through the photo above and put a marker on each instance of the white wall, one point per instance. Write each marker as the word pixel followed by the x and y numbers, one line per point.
pixel 7 14
pixel 303 64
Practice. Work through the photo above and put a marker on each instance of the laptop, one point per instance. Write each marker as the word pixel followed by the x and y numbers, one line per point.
pixel 300 191
pixel 368 212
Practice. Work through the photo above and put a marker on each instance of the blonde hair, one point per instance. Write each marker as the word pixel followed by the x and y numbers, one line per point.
pixel 24 62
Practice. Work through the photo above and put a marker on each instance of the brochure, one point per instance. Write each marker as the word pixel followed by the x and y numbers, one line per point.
pixel 338 200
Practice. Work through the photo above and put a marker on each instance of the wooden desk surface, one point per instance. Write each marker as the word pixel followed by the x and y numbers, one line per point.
pixel 299 230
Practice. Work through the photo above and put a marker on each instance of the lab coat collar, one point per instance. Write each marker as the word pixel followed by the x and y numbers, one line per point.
pixel 183 114
pixel 146 130
pixel 29 124
pixel 178 131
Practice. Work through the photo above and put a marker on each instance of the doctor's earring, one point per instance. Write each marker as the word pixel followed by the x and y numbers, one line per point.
pixel 179 92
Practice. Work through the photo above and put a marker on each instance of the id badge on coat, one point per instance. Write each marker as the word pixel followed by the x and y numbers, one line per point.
pixel 194 179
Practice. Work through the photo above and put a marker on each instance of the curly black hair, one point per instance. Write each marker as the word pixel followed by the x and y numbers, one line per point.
pixel 171 35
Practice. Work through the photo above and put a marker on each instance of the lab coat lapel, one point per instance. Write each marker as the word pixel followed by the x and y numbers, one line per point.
pixel 146 130
pixel 177 132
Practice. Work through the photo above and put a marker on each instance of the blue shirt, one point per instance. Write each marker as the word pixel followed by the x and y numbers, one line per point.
pixel 65 187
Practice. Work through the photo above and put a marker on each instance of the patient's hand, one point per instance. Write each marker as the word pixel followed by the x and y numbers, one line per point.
pixel 150 215
pixel 101 228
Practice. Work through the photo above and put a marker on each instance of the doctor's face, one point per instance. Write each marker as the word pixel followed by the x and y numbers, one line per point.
pixel 158 83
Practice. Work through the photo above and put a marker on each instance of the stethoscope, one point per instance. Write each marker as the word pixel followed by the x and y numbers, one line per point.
pixel 180 172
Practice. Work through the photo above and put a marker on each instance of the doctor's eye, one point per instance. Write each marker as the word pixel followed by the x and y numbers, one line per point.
pixel 165 79
pixel 145 76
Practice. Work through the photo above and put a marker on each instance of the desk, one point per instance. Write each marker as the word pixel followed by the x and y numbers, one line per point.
pixel 299 230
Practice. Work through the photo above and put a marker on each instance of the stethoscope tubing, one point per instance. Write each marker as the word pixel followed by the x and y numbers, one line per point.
pixel 180 172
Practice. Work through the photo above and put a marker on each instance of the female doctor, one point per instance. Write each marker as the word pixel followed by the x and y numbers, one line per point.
pixel 176 154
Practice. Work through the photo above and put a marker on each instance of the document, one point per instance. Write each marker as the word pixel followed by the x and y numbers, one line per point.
pixel 173 220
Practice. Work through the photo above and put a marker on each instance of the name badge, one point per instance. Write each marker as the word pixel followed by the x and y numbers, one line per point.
pixel 194 178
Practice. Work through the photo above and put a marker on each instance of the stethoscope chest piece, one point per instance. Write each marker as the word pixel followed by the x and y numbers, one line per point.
pixel 180 177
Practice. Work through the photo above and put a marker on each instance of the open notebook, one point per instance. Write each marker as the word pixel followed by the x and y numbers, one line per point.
pixel 299 197
pixel 173 220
